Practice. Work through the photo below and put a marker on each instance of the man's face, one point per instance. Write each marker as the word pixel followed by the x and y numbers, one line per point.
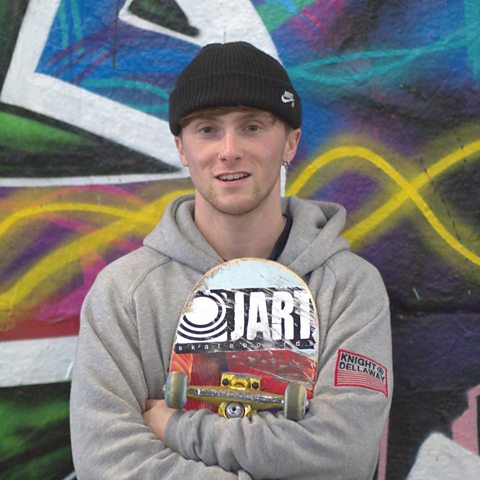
pixel 235 159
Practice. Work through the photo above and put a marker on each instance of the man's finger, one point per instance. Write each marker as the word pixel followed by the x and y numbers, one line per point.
pixel 149 404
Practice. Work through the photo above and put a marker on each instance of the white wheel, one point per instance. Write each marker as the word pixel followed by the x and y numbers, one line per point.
pixel 295 404
pixel 176 390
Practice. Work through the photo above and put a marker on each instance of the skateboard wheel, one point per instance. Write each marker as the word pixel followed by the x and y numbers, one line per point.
pixel 176 390
pixel 295 404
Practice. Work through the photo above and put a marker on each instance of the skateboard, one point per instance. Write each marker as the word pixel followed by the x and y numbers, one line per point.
pixel 246 340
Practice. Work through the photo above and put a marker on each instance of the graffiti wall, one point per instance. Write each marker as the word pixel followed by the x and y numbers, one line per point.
pixel 391 94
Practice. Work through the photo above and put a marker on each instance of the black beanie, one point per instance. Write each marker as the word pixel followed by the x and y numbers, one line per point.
pixel 231 75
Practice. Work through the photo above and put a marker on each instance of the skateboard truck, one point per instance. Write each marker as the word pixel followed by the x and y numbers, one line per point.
pixel 237 395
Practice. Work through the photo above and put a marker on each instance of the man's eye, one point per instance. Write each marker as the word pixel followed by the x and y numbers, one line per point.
pixel 206 130
pixel 253 128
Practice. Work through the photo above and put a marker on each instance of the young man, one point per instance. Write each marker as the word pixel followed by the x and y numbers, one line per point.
pixel 236 120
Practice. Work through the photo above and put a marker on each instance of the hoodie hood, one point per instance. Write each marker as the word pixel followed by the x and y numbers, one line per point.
pixel 176 236
pixel 314 237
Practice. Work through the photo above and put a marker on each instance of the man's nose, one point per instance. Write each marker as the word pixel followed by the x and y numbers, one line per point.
pixel 230 146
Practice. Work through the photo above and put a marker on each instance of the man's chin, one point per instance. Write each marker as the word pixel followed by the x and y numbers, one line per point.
pixel 235 208
pixel 234 205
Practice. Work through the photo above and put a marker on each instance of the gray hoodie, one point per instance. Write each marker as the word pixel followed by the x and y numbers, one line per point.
pixel 127 329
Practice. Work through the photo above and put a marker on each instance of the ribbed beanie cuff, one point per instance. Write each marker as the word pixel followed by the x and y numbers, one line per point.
pixel 234 74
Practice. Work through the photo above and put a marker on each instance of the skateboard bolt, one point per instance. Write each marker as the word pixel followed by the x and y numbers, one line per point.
pixel 225 382
pixel 255 385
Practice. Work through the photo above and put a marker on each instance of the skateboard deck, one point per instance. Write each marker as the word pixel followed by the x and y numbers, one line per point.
pixel 247 338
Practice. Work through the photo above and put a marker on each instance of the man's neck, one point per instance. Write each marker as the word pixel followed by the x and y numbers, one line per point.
pixel 237 236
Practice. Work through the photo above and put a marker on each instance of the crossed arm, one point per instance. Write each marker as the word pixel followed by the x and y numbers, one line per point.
pixel 118 432
pixel 110 439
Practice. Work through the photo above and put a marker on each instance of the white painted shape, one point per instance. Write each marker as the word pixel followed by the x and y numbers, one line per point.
pixel 129 127
pixel 99 115
pixel 440 458
pixel 32 362
pixel 76 106
pixel 98 180
pixel 71 476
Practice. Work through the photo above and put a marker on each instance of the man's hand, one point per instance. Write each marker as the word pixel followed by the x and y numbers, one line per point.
pixel 156 417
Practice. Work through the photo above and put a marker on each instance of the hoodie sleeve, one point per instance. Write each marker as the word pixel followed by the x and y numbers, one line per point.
pixel 109 437
pixel 339 438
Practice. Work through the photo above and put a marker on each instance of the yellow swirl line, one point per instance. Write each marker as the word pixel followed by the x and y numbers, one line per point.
pixel 67 207
pixel 149 214
pixel 408 190
pixel 71 252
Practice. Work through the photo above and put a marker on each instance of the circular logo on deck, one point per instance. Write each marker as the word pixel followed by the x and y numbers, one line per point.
pixel 205 320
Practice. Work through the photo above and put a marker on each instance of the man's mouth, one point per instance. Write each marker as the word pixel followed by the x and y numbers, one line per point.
pixel 230 177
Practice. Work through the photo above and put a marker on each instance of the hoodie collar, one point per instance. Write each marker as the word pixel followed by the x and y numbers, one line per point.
pixel 314 236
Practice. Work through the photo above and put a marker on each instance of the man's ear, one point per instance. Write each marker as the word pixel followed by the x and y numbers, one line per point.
pixel 181 151
pixel 293 139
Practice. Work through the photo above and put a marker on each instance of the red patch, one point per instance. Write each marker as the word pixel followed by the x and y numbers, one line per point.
pixel 355 370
